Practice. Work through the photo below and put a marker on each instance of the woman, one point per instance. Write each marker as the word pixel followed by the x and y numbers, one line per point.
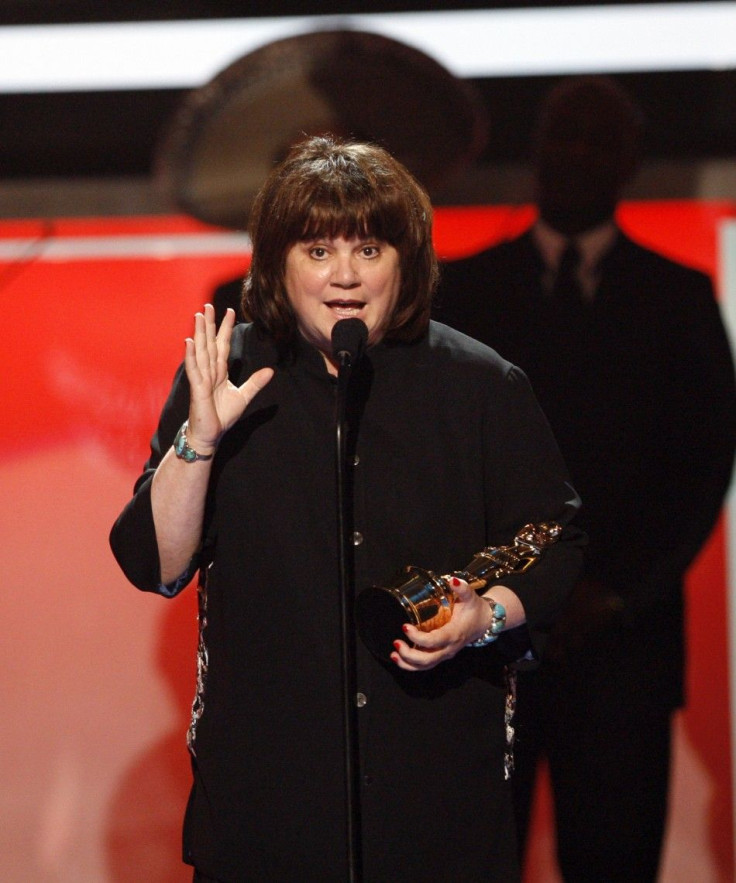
pixel 449 453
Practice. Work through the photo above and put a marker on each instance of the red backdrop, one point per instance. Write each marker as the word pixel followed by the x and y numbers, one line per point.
pixel 98 677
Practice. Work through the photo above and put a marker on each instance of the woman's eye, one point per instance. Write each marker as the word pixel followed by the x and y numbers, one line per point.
pixel 370 250
pixel 318 251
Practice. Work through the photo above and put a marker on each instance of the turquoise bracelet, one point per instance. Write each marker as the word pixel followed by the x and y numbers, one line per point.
pixel 498 623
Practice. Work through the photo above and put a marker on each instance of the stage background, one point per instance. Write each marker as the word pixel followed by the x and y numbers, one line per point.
pixel 97 677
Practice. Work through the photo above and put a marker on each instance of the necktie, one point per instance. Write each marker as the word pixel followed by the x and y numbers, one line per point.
pixel 566 288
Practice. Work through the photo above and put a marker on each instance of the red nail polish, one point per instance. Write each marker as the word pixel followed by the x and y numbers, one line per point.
pixel 404 628
pixel 455 581
pixel 394 657
pixel 396 645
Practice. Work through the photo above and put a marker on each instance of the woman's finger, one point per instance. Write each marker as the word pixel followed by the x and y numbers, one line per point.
pixel 255 383
pixel 210 332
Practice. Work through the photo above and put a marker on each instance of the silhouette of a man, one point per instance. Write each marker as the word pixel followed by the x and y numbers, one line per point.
pixel 628 356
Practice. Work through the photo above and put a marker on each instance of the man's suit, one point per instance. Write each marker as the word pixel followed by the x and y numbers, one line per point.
pixel 638 385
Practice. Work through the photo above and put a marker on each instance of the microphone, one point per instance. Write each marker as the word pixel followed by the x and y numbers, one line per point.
pixel 349 337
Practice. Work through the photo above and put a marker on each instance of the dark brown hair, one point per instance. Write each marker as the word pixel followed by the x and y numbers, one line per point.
pixel 326 187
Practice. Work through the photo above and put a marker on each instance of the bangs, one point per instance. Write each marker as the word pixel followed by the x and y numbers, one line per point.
pixel 352 212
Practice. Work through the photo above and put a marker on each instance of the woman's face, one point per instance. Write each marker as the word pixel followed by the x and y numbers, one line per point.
pixel 332 279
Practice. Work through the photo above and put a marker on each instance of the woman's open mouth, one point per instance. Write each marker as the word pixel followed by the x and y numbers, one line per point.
pixel 345 309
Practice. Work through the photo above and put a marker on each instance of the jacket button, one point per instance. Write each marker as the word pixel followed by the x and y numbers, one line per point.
pixel 360 699
pixel 357 538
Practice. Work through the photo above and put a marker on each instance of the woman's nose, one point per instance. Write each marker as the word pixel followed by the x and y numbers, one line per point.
pixel 346 272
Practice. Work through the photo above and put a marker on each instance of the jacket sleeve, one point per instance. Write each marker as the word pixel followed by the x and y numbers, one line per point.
pixel 534 488
pixel 133 535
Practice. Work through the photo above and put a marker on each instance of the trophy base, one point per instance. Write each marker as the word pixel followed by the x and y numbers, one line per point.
pixel 379 616
pixel 416 596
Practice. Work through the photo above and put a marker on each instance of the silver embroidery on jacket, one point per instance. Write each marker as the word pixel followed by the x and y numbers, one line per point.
pixel 202 665
pixel 508 766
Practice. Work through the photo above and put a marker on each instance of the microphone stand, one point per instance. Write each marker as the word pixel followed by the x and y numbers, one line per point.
pixel 349 674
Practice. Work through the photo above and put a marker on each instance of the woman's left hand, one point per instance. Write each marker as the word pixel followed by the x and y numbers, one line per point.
pixel 471 616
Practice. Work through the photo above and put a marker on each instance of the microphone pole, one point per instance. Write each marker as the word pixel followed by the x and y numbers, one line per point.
pixel 348 339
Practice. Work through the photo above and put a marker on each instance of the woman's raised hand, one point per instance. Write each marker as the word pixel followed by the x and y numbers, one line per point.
pixel 215 402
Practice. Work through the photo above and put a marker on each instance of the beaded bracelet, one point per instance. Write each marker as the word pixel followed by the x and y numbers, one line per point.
pixel 498 623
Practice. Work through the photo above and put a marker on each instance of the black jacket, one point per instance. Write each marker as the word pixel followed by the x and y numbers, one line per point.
pixel 453 454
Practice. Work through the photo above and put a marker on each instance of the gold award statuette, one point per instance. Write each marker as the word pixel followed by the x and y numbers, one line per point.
pixel 422 598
